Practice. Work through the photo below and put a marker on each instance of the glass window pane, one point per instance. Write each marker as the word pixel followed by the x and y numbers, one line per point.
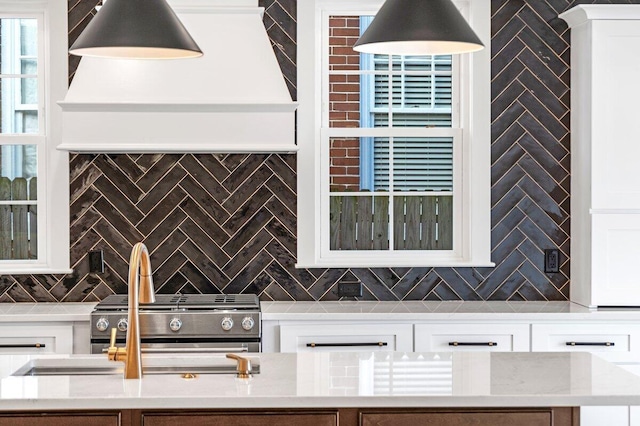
pixel 422 164
pixel 28 37
pixel 28 92
pixel 359 222
pixel 423 222
pixel 344 31
pixel 19 103
pixel 18 161
pixel 344 100
pixel 29 66
pixel 18 39
pixel 18 202
pixel 344 164
pixel 356 163
pixel 28 121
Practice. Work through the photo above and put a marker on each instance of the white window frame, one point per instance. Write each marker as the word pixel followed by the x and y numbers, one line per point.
pixel 53 165
pixel 472 184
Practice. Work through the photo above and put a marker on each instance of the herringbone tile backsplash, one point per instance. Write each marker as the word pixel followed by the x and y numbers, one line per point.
pixel 227 223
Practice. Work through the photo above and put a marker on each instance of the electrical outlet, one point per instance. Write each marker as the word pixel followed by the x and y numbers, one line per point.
pixel 551 261
pixel 96 262
pixel 350 289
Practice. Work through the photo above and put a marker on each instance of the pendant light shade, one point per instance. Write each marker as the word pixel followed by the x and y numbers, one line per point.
pixel 136 29
pixel 418 27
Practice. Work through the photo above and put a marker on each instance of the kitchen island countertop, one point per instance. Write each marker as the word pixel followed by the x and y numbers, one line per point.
pixel 340 379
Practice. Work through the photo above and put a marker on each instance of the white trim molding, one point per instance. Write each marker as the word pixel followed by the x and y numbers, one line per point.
pixel 53 165
pixel 472 164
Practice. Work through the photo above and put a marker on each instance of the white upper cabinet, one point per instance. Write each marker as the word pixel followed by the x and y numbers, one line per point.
pixel 605 93
pixel 605 174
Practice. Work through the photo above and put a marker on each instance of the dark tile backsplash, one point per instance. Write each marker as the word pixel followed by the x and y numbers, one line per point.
pixel 227 223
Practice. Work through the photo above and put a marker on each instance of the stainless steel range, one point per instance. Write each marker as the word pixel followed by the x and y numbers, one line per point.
pixel 183 323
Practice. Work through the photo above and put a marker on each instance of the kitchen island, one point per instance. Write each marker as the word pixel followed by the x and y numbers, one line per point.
pixel 332 384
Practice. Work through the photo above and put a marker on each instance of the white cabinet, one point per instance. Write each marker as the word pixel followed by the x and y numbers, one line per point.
pixel 605 177
pixel 346 337
pixel 615 342
pixel 604 415
pixel 616 251
pixel 471 337
pixel 41 338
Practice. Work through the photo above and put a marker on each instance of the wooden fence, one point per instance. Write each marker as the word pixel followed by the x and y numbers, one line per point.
pixel 421 222
pixel 18 221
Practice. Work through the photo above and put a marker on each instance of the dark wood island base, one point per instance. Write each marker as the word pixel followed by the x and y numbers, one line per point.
pixel 562 416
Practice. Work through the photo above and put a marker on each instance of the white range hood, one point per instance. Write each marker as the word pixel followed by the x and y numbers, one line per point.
pixel 232 99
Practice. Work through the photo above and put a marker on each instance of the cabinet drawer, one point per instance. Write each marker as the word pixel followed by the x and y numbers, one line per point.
pixel 453 418
pixel 472 337
pixel 615 342
pixel 60 419
pixel 239 419
pixel 346 337
pixel 36 338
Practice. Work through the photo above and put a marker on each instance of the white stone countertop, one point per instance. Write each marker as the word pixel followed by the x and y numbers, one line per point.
pixel 341 379
pixel 450 310
pixel 358 310
pixel 49 312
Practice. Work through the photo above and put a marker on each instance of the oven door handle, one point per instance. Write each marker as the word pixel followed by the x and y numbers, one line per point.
pixel 189 350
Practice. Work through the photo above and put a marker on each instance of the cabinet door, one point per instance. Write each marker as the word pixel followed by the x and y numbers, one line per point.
pixel 346 337
pixel 38 338
pixel 634 415
pixel 615 253
pixel 612 77
pixel 240 419
pixel 604 415
pixel 614 342
pixel 472 337
pixel 60 419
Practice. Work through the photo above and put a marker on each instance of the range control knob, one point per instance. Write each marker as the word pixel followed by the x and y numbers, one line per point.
pixel 175 324
pixel 226 323
pixel 102 324
pixel 248 323
pixel 122 324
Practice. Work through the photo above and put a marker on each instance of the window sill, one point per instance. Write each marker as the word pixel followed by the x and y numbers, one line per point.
pixel 393 264
pixel 29 270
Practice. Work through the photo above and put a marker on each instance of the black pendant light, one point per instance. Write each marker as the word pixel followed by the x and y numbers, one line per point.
pixel 418 27
pixel 136 29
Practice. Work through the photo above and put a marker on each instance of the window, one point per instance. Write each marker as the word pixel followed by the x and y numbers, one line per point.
pixel 393 162
pixel 34 203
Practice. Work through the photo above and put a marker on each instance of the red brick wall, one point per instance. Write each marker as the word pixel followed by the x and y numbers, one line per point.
pixel 344 102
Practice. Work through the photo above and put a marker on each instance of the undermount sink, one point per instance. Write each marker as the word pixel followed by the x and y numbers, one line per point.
pixel 89 366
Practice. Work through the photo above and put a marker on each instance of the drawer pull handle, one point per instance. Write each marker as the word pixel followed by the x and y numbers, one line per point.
pixel 591 344
pixel 328 345
pixel 473 343
pixel 23 345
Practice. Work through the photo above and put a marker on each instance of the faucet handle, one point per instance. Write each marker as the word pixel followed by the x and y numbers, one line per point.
pixel 114 353
pixel 243 367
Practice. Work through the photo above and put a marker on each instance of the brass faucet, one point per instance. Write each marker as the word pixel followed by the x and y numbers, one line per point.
pixel 243 367
pixel 140 291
